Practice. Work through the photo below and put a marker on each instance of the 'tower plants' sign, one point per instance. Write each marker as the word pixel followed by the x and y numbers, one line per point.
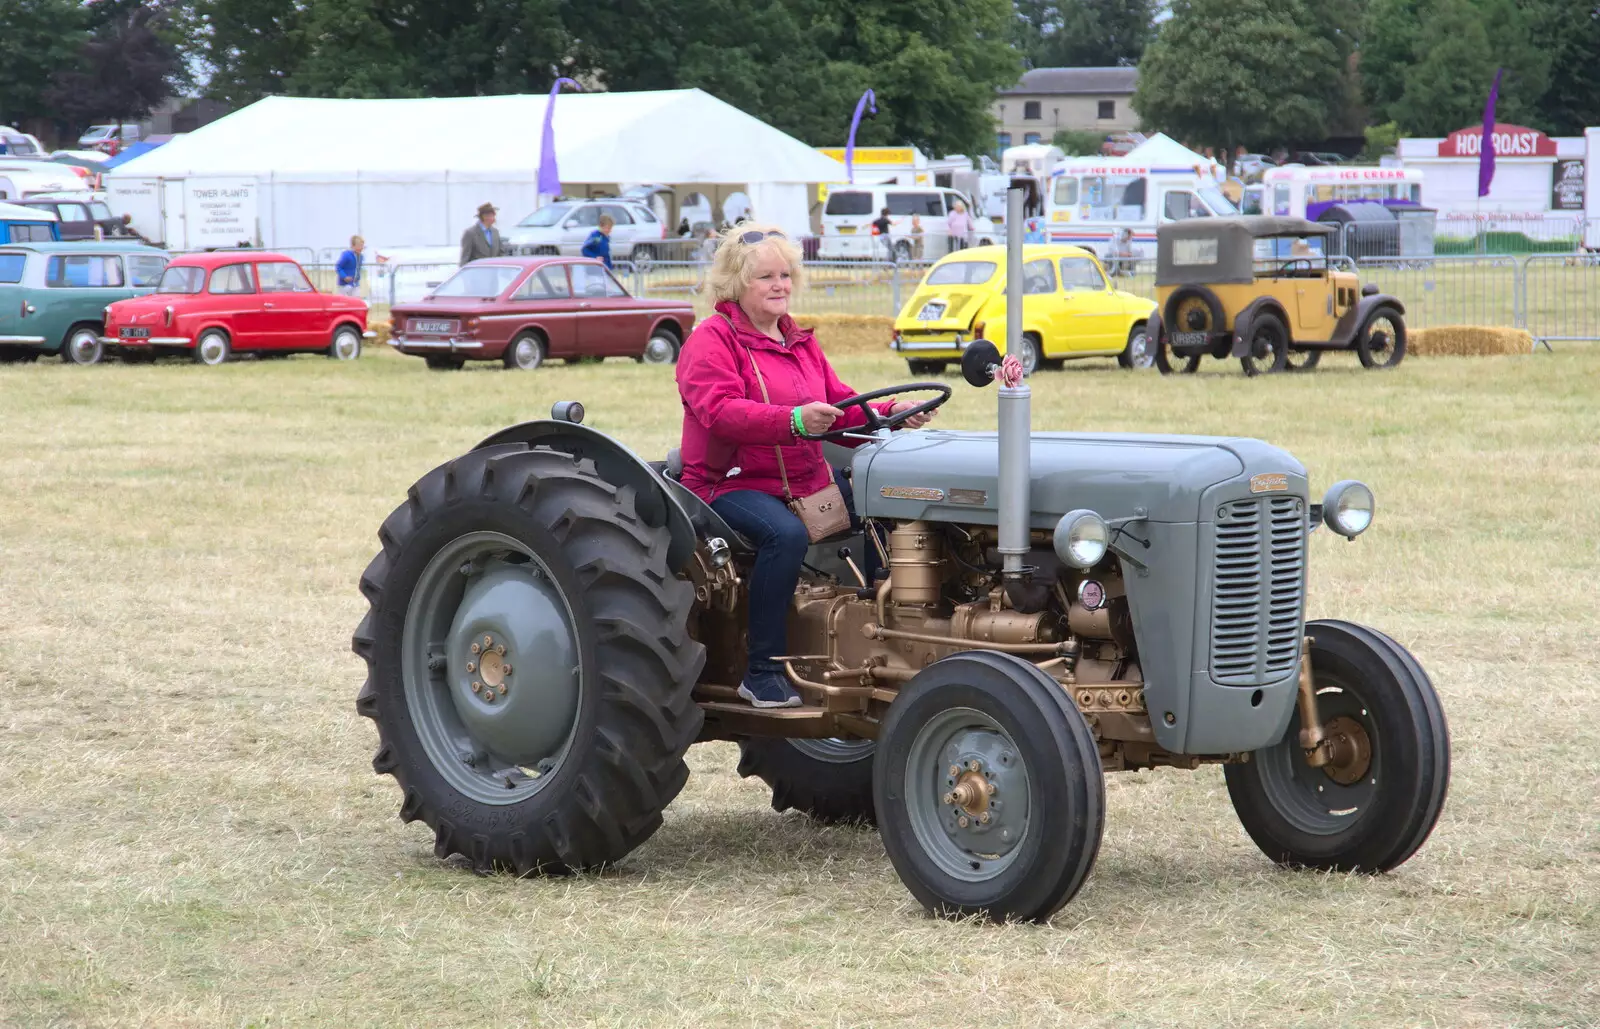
pixel 1509 141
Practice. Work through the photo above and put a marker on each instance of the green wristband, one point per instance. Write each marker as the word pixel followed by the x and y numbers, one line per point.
pixel 797 423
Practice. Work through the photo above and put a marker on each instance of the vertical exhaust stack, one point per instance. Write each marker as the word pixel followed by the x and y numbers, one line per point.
pixel 1015 421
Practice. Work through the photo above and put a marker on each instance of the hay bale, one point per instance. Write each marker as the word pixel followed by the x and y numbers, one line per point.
pixel 1468 341
pixel 382 330
pixel 850 333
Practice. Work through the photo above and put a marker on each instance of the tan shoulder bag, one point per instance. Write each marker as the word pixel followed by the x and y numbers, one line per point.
pixel 823 513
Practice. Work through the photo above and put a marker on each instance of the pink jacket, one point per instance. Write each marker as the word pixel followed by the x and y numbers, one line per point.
pixel 728 430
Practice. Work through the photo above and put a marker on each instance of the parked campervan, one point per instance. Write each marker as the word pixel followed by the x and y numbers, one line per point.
pixel 849 212
pixel 1090 200
pixel 1299 191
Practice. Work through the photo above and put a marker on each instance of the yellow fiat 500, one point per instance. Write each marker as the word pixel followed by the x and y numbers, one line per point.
pixel 1069 310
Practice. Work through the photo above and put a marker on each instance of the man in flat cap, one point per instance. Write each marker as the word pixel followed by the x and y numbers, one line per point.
pixel 482 239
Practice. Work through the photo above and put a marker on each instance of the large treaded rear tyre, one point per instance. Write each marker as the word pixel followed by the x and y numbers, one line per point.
pixel 827 780
pixel 1374 808
pixel 633 718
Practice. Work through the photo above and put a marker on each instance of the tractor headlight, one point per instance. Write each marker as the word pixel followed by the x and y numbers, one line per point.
pixel 1347 508
pixel 1081 538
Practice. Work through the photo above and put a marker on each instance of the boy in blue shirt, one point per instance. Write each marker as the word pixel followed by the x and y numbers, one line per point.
pixel 599 242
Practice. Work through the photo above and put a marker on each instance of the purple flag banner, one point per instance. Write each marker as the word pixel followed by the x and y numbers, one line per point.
pixel 850 146
pixel 549 176
pixel 1486 151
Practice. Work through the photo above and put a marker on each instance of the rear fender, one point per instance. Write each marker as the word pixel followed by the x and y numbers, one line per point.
pixel 619 466
pixel 1244 321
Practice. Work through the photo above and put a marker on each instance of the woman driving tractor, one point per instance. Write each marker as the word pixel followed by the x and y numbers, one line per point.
pixel 755 387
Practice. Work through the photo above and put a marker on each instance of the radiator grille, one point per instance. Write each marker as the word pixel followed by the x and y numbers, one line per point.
pixel 1258 575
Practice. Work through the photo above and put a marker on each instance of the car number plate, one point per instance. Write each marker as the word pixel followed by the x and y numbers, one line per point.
pixel 418 325
pixel 132 333
pixel 847 230
pixel 1190 339
pixel 932 311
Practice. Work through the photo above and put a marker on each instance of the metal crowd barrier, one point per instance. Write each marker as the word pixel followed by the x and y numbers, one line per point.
pixel 1556 297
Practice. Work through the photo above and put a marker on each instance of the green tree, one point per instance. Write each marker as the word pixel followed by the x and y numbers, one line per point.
pixel 801 64
pixel 1460 45
pixel 37 38
pixel 250 47
pixel 1568 32
pixel 127 66
pixel 1388 45
pixel 1077 144
pixel 1083 33
pixel 1233 72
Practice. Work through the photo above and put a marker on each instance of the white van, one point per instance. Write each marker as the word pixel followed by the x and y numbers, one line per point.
pixel 1298 191
pixel 848 215
pixel 19 183
pixel 1091 200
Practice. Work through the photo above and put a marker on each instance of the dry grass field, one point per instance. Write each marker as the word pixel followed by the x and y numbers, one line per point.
pixel 191 834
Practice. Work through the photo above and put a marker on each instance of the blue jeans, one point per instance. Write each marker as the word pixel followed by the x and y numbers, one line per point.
pixel 781 543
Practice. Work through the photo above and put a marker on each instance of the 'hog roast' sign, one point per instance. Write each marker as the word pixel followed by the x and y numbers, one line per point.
pixel 1509 141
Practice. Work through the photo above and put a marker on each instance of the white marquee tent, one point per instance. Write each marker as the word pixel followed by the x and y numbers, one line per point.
pixel 296 172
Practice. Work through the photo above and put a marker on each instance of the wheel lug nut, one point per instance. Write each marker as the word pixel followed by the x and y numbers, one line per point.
pixel 472 666
pixel 488 696
pixel 500 648
pixel 991 789
pixel 488 640
pixel 973 765
pixel 502 689
pixel 476 648
pixel 984 818
pixel 467 569
pixel 949 798
pixel 506 669
pixel 955 769
pixel 962 821
pixel 477 687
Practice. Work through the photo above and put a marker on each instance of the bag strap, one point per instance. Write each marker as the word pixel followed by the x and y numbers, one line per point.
pixel 783 472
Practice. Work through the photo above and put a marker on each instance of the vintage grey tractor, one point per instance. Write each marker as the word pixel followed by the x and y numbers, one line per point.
pixel 554 622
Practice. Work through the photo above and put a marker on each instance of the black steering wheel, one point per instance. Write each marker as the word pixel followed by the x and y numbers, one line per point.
pixel 876 421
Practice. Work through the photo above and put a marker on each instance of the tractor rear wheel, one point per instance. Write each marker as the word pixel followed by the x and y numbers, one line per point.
pixel 529 664
pixel 988 788
pixel 829 780
pixel 1374 804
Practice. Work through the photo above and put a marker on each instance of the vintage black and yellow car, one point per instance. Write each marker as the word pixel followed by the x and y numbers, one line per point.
pixel 1261 289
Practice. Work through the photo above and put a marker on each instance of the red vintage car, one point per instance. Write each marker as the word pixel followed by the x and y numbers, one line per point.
pixel 523 310
pixel 226 302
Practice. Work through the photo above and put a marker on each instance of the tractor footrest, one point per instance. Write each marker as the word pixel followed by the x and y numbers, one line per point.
pixel 732 717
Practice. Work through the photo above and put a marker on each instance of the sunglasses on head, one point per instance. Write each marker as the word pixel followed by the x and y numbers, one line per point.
pixel 755 236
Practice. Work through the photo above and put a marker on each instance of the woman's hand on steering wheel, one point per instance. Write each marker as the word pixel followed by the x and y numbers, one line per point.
pixel 915 421
pixel 818 417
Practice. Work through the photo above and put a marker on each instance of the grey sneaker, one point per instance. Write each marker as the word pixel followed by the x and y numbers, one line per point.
pixel 768 689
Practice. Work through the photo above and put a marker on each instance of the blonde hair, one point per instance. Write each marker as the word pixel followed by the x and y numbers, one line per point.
pixel 356 241
pixel 735 263
pixel 606 221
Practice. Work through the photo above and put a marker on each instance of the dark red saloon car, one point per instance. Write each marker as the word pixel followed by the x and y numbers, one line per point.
pixel 524 310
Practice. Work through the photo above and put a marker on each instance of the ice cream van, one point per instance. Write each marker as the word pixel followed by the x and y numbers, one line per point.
pixel 1300 191
pixel 1091 200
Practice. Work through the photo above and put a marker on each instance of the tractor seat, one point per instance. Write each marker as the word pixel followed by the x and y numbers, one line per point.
pixel 706 522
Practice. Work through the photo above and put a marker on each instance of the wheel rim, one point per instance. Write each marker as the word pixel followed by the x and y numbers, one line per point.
pixel 1326 801
pixel 1139 353
pixel 658 350
pixel 1265 345
pixel 526 354
pixel 1193 305
pixel 950 766
pixel 496 723
pixel 835 751
pixel 84 347
pixel 1029 356
pixel 1381 335
pixel 212 349
pixel 346 345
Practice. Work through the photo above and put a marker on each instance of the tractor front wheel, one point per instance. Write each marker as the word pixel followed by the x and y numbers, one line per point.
pixel 1375 802
pixel 529 663
pixel 829 780
pixel 988 789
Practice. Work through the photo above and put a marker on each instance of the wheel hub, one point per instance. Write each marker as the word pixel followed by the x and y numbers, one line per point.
pixel 984 804
pixel 1349 750
pixel 514 662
